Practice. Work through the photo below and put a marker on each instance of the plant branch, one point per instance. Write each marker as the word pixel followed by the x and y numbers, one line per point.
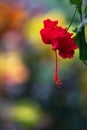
pixel 72 18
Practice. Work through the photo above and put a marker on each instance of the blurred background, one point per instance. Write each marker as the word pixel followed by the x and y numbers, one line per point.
pixel 29 99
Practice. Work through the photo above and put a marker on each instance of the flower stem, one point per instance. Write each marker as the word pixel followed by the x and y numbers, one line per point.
pixel 72 18
pixel 56 77
pixel 56 62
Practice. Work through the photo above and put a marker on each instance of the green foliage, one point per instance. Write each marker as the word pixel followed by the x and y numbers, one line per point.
pixel 80 35
pixel 81 42
pixel 75 30
pixel 76 2
pixel 85 11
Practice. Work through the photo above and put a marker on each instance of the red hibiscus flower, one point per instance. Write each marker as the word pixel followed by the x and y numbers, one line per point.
pixel 60 39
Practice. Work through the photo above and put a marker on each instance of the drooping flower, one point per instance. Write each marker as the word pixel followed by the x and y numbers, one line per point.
pixel 60 39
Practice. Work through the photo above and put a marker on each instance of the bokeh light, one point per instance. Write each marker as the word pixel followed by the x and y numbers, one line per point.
pixel 29 99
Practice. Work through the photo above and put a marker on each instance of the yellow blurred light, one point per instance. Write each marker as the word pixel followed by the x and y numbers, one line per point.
pixel 27 113
pixel 24 113
pixel 13 68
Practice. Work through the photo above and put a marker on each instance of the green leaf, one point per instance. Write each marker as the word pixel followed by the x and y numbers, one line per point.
pixel 76 2
pixel 81 42
pixel 85 11
pixel 75 30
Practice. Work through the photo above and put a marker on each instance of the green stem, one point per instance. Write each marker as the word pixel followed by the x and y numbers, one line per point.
pixel 72 19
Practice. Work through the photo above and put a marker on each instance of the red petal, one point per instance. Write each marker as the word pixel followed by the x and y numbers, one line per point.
pixel 49 23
